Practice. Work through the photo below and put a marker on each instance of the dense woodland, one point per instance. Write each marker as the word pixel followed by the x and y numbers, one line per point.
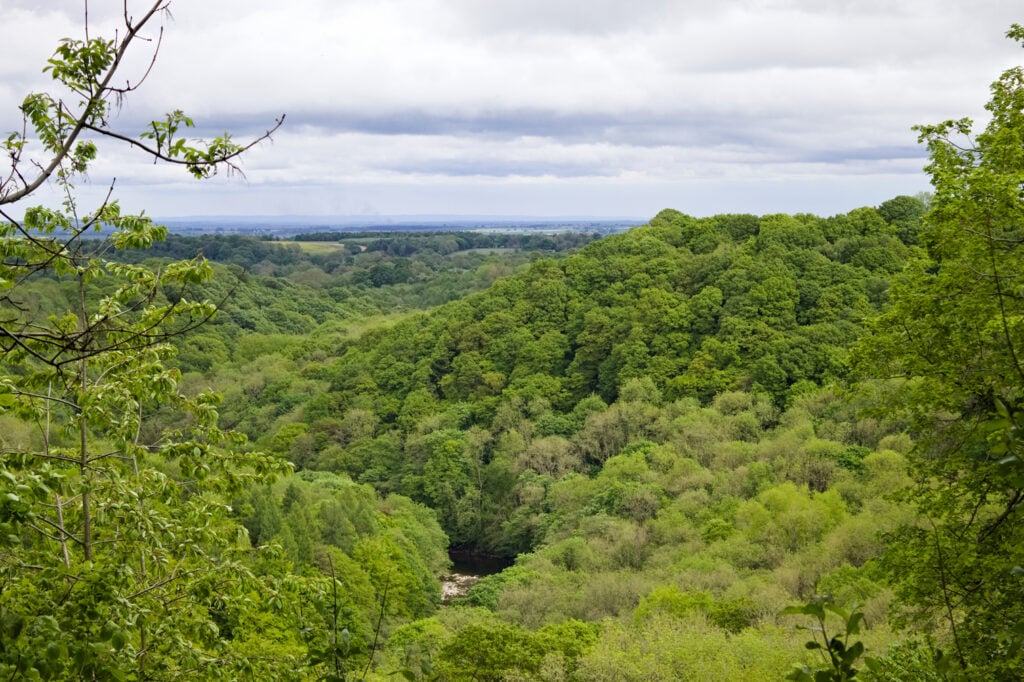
pixel 652 425
pixel 659 426
pixel 701 443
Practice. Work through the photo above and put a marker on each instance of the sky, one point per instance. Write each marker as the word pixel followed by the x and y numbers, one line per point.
pixel 596 108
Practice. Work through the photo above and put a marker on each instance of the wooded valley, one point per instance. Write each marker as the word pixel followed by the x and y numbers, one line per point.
pixel 711 448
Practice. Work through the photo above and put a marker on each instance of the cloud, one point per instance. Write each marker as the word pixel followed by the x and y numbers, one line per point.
pixel 557 94
pixel 569 17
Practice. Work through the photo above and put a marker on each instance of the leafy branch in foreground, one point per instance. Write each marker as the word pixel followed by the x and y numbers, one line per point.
pixel 950 355
pixel 838 654
pixel 118 559
pixel 86 70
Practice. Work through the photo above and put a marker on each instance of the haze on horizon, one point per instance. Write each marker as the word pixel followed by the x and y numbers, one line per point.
pixel 539 107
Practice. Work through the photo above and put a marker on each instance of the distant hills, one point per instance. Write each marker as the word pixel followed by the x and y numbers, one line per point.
pixel 289 225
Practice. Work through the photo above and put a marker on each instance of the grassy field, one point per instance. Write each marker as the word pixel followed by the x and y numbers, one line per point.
pixel 320 247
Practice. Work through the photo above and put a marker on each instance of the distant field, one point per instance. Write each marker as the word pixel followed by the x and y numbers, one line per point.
pixel 490 250
pixel 319 247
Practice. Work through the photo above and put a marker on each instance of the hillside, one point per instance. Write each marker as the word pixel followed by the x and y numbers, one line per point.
pixel 689 308
pixel 734 447
pixel 659 427
pixel 652 424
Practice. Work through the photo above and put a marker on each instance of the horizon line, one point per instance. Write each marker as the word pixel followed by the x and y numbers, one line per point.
pixel 401 217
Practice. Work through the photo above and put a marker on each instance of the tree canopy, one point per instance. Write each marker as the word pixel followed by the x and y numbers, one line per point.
pixel 252 466
pixel 948 355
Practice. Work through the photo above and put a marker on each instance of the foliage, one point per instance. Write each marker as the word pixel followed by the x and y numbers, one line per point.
pixel 948 352
pixel 655 424
pixel 639 320
pixel 671 649
pixel 117 555
pixel 472 645
pixel 838 654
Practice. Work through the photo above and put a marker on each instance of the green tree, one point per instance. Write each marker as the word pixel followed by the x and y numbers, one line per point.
pixel 950 354
pixel 904 213
pixel 448 482
pixel 116 552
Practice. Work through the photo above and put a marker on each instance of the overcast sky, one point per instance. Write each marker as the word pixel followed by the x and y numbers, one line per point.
pixel 540 107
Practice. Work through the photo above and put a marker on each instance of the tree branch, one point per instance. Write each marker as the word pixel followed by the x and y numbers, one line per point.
pixel 158 155
pixel 83 118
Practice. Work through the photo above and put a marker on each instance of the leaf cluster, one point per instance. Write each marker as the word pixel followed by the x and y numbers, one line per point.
pixel 838 654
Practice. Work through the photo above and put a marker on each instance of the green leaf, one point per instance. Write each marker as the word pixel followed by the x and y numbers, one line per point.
pixel 853 653
pixel 853 623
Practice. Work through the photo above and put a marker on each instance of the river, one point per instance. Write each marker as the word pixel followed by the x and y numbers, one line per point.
pixel 467 568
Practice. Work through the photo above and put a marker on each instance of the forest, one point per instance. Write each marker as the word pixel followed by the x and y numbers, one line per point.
pixel 709 448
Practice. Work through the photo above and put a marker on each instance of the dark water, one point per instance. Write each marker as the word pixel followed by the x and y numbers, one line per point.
pixel 475 563
pixel 467 568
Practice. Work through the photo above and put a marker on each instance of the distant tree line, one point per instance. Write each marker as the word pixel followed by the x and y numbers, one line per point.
pixel 409 243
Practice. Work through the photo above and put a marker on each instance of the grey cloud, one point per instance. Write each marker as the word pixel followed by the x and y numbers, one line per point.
pixel 503 168
pixel 504 124
pixel 500 93
pixel 644 129
pixel 572 17
pixel 879 153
